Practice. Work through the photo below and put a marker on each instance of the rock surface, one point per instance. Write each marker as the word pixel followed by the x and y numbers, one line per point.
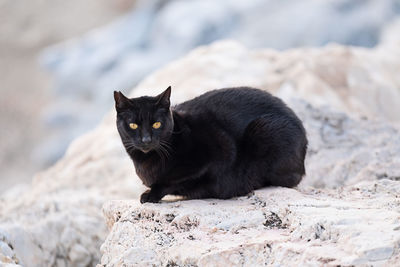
pixel 58 222
pixel 276 226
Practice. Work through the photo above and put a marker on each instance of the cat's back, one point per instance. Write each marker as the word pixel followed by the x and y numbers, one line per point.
pixel 227 99
pixel 241 103
pixel 232 109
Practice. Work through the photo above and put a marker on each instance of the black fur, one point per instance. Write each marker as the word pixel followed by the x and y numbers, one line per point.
pixel 222 144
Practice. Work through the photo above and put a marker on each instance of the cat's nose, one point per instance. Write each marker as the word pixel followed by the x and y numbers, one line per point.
pixel 146 139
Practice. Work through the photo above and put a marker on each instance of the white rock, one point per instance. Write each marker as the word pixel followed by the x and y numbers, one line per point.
pixel 5 250
pixel 79 256
pixel 57 221
pixel 273 226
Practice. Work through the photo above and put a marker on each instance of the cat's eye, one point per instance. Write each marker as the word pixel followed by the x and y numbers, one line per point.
pixel 157 125
pixel 133 126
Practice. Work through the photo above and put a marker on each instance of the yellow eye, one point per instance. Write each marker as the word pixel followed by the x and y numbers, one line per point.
pixel 157 125
pixel 133 126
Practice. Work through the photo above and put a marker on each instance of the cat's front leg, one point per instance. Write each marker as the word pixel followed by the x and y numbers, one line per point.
pixel 153 195
pixel 148 196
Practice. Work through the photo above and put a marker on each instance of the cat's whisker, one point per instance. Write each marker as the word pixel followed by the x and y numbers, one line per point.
pixel 166 148
pixel 129 146
pixel 166 143
pixel 127 142
pixel 164 152
pixel 161 157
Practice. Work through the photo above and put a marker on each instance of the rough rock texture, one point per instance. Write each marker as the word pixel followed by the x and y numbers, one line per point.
pixel 343 151
pixel 274 226
pixel 58 221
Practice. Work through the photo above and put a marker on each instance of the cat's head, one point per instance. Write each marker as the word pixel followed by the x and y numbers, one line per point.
pixel 145 122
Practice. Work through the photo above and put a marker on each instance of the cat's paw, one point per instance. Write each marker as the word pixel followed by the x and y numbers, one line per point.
pixel 148 196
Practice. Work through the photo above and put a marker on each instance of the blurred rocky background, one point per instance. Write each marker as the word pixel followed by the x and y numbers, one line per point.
pixel 91 48
pixel 26 28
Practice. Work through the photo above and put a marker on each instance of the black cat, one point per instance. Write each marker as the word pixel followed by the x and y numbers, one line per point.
pixel 222 144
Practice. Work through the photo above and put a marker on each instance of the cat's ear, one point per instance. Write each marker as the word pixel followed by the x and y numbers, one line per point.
pixel 163 98
pixel 121 101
